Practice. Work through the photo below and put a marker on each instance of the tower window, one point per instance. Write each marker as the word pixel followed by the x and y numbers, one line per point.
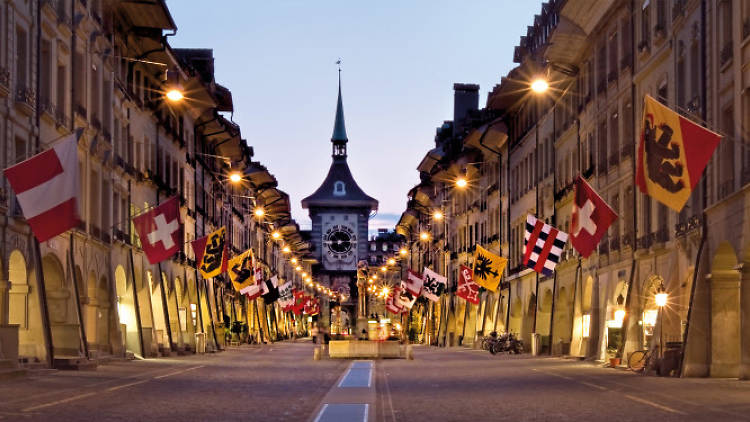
pixel 339 188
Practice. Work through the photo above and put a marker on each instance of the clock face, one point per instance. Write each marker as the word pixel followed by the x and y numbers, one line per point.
pixel 339 242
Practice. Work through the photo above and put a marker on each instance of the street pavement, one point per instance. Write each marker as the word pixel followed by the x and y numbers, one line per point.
pixel 281 382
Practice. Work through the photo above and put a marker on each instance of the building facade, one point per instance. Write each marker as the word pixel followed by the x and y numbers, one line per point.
pixel 600 63
pixel 104 67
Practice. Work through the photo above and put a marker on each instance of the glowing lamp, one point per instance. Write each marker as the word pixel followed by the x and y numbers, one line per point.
pixel 174 95
pixel 235 177
pixel 539 86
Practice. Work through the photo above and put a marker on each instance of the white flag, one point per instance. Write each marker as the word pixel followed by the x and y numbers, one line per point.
pixel 434 284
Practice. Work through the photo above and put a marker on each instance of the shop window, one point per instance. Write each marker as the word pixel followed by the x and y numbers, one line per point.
pixel 586 326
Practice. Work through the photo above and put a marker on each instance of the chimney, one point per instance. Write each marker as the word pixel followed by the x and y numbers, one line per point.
pixel 465 99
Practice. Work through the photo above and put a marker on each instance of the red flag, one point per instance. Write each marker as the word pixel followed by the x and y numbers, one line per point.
pixel 414 282
pixel 160 231
pixel 47 186
pixel 393 303
pixel 299 302
pixel 467 287
pixel 591 218
pixel 672 154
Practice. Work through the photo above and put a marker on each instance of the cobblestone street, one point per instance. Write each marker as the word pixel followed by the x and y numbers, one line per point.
pixel 282 382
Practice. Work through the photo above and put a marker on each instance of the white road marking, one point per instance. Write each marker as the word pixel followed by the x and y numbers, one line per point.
pixel 117 387
pixel 631 397
pixel 656 405
pixel 177 372
pixel 56 402
pixel 126 385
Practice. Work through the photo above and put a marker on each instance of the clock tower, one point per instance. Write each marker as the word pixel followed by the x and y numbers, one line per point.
pixel 340 212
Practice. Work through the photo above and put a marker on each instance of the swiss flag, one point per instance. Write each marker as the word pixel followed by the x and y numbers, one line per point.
pixel 591 218
pixel 160 231
pixel 47 186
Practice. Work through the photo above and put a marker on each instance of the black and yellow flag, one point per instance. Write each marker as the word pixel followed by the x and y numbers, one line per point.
pixel 211 253
pixel 241 270
pixel 488 268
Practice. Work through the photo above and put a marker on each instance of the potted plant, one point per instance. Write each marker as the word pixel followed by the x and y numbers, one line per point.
pixel 614 359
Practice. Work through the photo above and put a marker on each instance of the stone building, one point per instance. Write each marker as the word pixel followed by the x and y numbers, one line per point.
pixel 600 62
pixel 104 67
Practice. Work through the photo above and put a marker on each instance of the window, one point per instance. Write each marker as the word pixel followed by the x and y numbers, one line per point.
pixel 662 94
pixel 614 140
pixel 373 247
pixel 612 75
pixel 661 16
pixel 79 84
pixel 61 89
pixel 339 188
pixel 94 102
pixel 20 149
pixel 586 325
pixel 385 247
pixel 681 82
pixel 645 24
pixel 22 58
pixel 695 86
pixel 45 83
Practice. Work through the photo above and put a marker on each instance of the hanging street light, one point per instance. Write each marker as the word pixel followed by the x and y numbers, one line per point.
pixel 539 86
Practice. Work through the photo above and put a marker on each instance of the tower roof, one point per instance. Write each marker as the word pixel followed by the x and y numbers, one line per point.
pixel 339 189
pixel 339 126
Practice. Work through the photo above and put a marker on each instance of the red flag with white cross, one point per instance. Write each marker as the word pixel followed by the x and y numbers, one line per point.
pixel 467 287
pixel 160 231
pixel 591 218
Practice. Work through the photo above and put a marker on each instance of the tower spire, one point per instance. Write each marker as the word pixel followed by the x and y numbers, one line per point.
pixel 339 127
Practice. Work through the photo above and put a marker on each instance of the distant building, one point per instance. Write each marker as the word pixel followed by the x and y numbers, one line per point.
pixel 382 246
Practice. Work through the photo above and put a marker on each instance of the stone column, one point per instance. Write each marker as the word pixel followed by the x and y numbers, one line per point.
pixel 4 302
pixel 725 323
pixel 745 322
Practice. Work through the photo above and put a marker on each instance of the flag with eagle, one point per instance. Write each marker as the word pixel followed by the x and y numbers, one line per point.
pixel 488 268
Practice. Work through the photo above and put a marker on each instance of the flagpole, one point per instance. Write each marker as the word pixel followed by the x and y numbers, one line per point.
pixel 42 293
pixel 198 300
pixel 81 328
pixel 208 303
pixel 536 208
pixel 138 323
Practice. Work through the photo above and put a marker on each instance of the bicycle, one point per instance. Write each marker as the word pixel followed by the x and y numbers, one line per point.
pixel 642 360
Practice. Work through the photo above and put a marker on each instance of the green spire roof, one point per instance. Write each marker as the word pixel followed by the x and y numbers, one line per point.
pixel 339 127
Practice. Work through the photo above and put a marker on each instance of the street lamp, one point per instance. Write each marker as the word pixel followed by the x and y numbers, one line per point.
pixel 660 298
pixel 174 95
pixel 293 260
pixel 391 261
pixel 383 268
pixel 424 236
pixel 461 182
pixel 235 177
pixel 276 235
pixel 259 212
pixel 403 252
pixel 539 85
pixel 286 249
pixel 437 215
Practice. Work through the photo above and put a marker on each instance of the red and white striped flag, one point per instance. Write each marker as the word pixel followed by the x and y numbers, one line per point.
pixel 47 187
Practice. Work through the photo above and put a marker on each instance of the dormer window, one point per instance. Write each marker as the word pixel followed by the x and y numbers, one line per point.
pixel 339 188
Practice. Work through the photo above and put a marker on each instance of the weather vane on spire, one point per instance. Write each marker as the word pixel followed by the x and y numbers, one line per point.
pixel 338 62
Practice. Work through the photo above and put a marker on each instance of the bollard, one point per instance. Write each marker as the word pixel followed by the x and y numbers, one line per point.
pixel 409 353
pixel 316 353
